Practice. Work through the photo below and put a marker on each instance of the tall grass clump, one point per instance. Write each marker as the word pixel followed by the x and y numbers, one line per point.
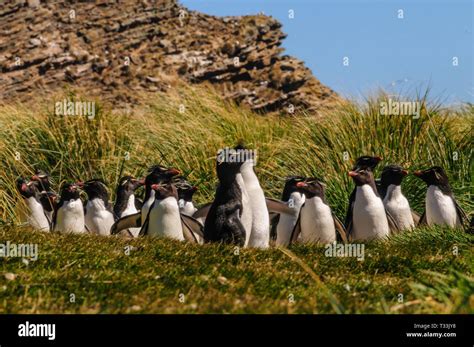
pixel 185 129
pixel 438 137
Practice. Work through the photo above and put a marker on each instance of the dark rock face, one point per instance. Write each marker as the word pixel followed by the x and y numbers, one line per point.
pixel 116 50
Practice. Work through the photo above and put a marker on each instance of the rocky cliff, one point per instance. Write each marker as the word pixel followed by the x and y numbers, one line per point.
pixel 116 50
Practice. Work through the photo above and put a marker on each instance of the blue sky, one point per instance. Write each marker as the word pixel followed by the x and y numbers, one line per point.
pixel 399 55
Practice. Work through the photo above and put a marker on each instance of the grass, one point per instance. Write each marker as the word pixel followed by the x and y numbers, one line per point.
pixel 161 276
pixel 420 265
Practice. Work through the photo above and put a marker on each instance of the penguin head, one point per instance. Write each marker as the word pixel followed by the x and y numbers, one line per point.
pixel 366 163
pixel 42 178
pixel 129 184
pixel 164 190
pixel 290 186
pixel 311 187
pixel 393 174
pixel 26 189
pixel 433 176
pixel 228 165
pixel 95 188
pixel 362 177
pixel 159 174
pixel 185 189
pixel 70 191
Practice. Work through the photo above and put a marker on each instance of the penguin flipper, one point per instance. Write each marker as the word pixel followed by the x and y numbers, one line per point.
pixel 392 224
pixel 461 214
pixel 296 230
pixel 350 208
pixel 277 206
pixel 138 204
pixel 202 211
pixel 416 217
pixel 130 221
pixel 274 219
pixel 340 228
pixel 191 228
pixel 423 219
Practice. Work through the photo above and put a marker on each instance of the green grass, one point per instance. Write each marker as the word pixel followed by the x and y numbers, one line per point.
pixel 419 265
pixel 214 279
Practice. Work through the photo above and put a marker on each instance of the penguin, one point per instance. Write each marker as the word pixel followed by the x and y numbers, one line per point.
pixel 126 203
pixel 393 199
pixel 157 174
pixel 441 208
pixel 260 228
pixel 316 222
pixel 68 216
pixel 48 197
pixel 284 222
pixel 37 218
pixel 368 216
pixel 362 163
pixel 165 220
pixel 185 196
pixel 224 219
pixel 99 217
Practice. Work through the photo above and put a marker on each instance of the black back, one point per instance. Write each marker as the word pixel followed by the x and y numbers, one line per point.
pixel 223 220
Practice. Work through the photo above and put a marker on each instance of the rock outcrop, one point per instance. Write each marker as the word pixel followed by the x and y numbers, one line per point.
pixel 116 50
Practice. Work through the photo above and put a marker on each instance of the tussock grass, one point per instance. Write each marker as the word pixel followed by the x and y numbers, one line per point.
pixel 212 277
pixel 116 142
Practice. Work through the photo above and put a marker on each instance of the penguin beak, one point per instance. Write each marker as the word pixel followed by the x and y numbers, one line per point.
pixel 352 174
pixel 35 178
pixel 79 184
pixel 418 173
pixel 404 172
pixel 194 188
pixel 301 184
pixel 24 187
pixel 155 186
pixel 378 158
pixel 174 171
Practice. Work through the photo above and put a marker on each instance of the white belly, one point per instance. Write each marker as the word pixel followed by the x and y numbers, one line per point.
pixel 70 217
pixel 37 218
pixel 186 207
pixel 98 219
pixel 287 222
pixel 131 209
pixel 317 223
pixel 165 220
pixel 368 217
pixel 260 233
pixel 440 208
pixel 398 207
pixel 246 216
